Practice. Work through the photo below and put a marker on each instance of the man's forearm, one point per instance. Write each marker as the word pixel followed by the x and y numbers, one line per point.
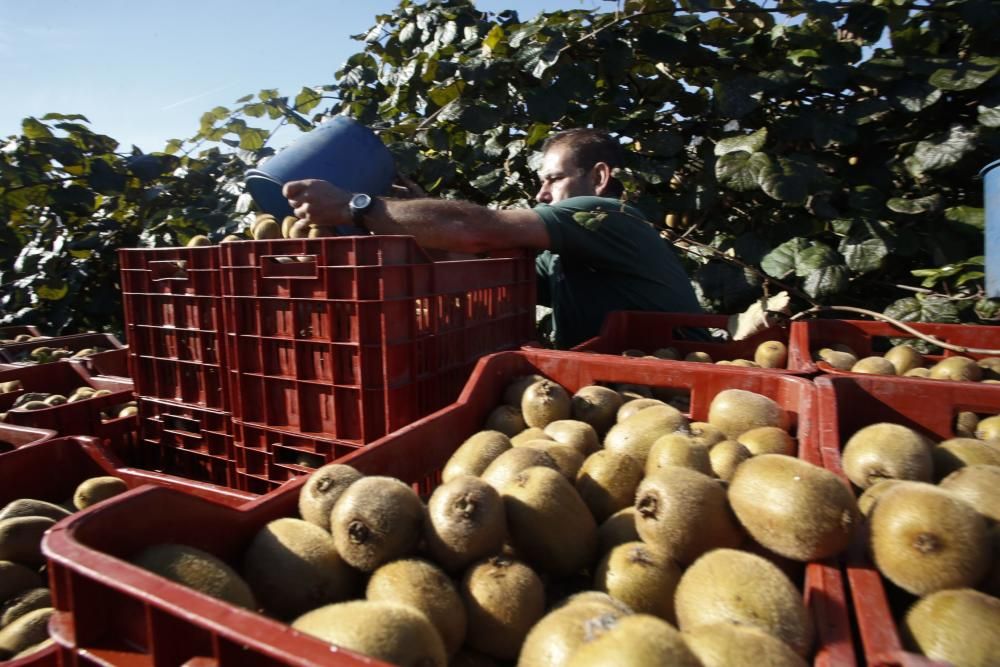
pixel 435 223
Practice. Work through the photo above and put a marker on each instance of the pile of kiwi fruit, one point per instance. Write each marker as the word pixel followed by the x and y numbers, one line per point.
pixel 29 401
pixel 266 227
pixel 769 354
pixel 589 528
pixel 931 527
pixel 25 600
pixel 906 361
pixel 45 354
pixel 21 338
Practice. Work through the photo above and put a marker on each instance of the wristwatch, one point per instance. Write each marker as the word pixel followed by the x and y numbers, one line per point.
pixel 359 205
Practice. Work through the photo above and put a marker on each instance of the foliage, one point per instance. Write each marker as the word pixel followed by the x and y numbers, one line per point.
pixel 831 147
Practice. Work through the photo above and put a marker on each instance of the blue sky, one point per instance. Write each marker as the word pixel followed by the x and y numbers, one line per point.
pixel 144 71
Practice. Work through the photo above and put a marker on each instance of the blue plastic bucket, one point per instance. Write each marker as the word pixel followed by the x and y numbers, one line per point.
pixel 991 204
pixel 340 150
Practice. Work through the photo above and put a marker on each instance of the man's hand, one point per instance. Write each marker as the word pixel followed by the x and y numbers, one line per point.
pixel 318 202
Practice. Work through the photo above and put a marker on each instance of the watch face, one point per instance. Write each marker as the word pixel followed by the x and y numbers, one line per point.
pixel 361 202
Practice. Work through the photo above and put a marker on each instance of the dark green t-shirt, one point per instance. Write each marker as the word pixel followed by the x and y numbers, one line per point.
pixel 603 257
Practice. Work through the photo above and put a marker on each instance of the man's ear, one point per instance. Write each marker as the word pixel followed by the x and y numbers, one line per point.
pixel 600 177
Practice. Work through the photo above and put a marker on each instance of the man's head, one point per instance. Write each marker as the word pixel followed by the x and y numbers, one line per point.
pixel 579 162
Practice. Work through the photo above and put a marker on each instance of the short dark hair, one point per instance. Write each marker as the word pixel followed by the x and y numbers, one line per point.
pixel 588 146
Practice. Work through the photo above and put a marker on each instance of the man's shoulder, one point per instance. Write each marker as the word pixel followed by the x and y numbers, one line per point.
pixel 588 204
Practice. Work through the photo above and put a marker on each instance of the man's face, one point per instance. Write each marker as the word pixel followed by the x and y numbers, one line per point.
pixel 561 178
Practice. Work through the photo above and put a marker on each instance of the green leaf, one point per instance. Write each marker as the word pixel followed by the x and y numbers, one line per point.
pixel 33 129
pixel 813 258
pixel 826 282
pixel 865 198
pixel 987 309
pixel 782 261
pixel 916 206
pixel 966 75
pixel 914 96
pixel 988 116
pixel 801 57
pixel 863 255
pixel 967 215
pixel 493 39
pixel 785 183
pixel 938 155
pixel 307 99
pixel 52 292
pixel 922 308
pixel 969 275
pixel 750 143
pixel 741 171
pixel 735 98
pixel 252 139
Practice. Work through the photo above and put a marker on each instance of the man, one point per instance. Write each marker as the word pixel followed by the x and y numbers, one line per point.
pixel 598 254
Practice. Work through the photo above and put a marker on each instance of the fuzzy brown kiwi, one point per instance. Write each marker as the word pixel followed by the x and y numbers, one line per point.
pixel 376 520
pixel 842 361
pixel 886 451
pixel 985 429
pixel 867 500
pixel 293 566
pixel 509 465
pixel 618 528
pixel 703 433
pixel 950 455
pixel 475 454
pixel 957 369
pixel 529 434
pixel 28 630
pixel 568 458
pixel 504 598
pixel 768 440
pixel 597 406
pixel 553 639
pixel 544 402
pixel 735 411
pixel 426 588
pixel 578 434
pixel 684 513
pixel 199 570
pixel 94 490
pixel 978 485
pixel 874 366
pixel 629 408
pixel 794 508
pixel 32 507
pixel 465 522
pixel 640 576
pixel 725 457
pixel 924 539
pixel 725 644
pixel 635 435
pixel 730 586
pixel 21 539
pixel 635 641
pixel 22 603
pixel 322 490
pixel 904 358
pixel 771 354
pixel 677 449
pixel 16 579
pixel 607 482
pixel 957 627
pixel 514 391
pixel 507 419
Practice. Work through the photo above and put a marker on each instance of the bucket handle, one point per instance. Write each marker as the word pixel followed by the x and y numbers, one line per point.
pixel 288 266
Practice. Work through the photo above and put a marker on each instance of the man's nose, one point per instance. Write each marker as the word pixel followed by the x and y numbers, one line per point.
pixel 544 196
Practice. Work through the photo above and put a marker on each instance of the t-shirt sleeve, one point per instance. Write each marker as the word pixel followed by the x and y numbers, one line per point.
pixel 591 231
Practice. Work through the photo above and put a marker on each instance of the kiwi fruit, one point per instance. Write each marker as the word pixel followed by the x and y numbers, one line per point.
pixel 904 358
pixel 730 586
pixel 95 489
pixel 957 369
pixel 698 357
pixel 513 393
pixel 637 640
pixel 867 500
pixel 544 402
pixel 266 229
pixel 768 440
pixel 978 485
pixel 634 352
pixel 950 455
pixel 924 539
pixel 568 459
pixel 15 579
pixel 918 373
pixel 22 603
pixel 231 237
pixel 549 525
pixel 607 482
pixel 618 528
pixel 736 411
pixel 636 434
pixel 874 366
pixel 529 434
pixel 771 354
pixel 684 513
pixel 886 451
pixel 30 629
pixel 322 490
pixel 507 419
pixel 726 644
pixel 511 463
pixel 426 588
pixel 300 229
pixel 703 433
pixel 197 569
pixel 33 405
pixel 390 632
pixel 640 576
pixel 630 407
pixel 198 240
pixel 32 507
pixel 578 434
pixel 503 598
pixel 987 429
pixel 966 423
pixel 676 449
pixel 553 640
pixel 838 359
pixel 293 566
pixel 990 366
pixel 958 627
pixel 597 406
pixel 21 539
pixel 725 457
pixel 669 353
pixel 465 522
pixel 475 454
pixel 376 520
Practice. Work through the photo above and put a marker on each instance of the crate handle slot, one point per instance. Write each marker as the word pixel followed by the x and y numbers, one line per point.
pixel 288 266
pixel 169 269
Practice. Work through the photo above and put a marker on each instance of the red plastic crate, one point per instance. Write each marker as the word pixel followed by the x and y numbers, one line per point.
pixel 847 404
pixel 18 352
pixel 79 418
pixel 190 441
pixel 175 324
pixel 17 329
pixel 142 617
pixel 647 331
pixel 367 334
pixel 12 437
pixel 113 363
pixel 870 338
